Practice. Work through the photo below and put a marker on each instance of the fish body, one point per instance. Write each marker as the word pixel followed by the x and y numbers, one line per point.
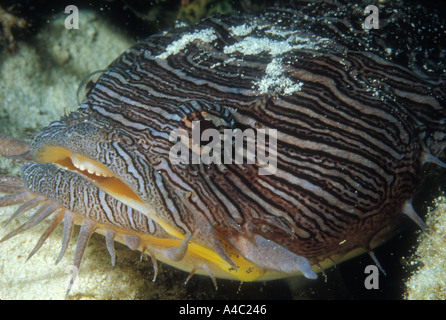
pixel 350 118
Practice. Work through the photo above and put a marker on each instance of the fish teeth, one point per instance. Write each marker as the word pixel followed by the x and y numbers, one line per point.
pixel 84 164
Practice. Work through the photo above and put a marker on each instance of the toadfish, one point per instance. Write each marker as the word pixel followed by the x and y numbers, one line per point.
pixel 247 147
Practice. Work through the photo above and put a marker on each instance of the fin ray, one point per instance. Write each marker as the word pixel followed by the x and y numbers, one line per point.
pixel 57 219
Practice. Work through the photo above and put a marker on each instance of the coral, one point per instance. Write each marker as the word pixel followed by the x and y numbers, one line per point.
pixel 429 281
pixel 8 22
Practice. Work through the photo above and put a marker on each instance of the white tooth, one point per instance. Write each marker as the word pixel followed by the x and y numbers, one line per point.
pixel 82 163
pixel 75 163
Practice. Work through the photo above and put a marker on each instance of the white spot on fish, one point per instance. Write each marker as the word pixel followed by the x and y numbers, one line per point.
pixel 275 82
pixel 205 35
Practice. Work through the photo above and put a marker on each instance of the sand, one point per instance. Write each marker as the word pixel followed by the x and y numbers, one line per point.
pixel 429 281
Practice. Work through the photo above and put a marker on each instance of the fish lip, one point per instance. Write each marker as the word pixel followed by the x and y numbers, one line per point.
pixel 82 144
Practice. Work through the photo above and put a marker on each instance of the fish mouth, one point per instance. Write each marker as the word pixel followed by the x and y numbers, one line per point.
pixel 91 169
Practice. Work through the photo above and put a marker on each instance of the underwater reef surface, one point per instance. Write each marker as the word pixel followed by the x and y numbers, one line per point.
pixel 429 281
pixel 39 83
